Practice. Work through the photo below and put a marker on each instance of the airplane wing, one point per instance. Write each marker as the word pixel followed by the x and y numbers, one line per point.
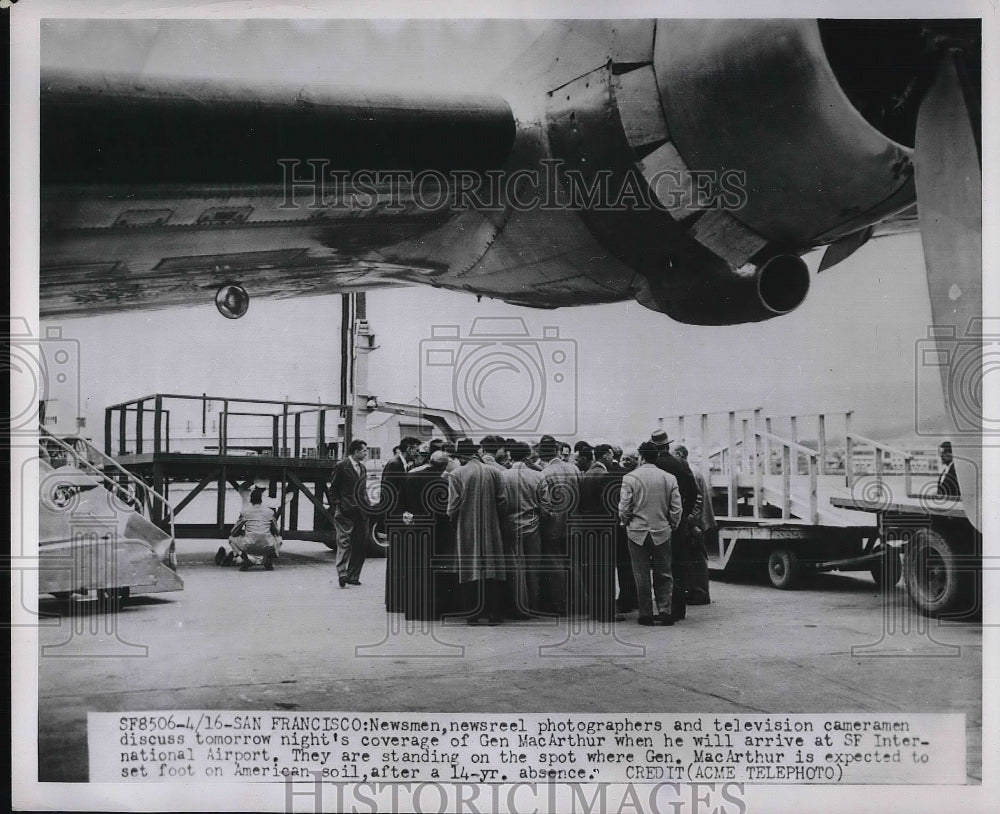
pixel 687 164
pixel 157 193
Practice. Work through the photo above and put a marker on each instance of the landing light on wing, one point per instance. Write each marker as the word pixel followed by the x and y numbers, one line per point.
pixel 233 301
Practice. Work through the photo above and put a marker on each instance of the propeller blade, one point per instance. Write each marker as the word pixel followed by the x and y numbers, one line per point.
pixel 845 247
pixel 949 191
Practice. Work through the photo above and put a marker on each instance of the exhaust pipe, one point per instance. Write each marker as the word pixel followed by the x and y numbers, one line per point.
pixel 715 294
pixel 782 283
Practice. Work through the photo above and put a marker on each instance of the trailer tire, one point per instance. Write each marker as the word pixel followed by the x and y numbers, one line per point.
pixel 887 572
pixel 932 574
pixel 784 568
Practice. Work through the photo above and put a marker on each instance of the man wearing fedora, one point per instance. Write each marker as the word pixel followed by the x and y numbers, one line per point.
pixel 650 509
pixel 689 499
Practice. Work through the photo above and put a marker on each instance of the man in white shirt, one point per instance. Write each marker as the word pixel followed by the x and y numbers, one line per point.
pixel 650 509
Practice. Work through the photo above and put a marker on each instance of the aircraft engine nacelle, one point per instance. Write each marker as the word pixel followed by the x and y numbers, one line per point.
pixel 697 135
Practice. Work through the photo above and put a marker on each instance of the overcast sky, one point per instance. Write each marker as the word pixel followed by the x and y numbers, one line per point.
pixel 852 345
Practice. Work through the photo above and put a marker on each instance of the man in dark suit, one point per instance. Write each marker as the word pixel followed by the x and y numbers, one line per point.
pixel 689 500
pixel 599 493
pixel 947 485
pixel 391 503
pixel 627 597
pixel 349 498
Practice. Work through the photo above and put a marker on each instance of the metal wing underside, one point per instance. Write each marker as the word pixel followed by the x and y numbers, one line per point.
pixel 155 193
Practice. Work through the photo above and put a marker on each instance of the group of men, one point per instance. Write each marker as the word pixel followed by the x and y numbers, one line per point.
pixel 501 529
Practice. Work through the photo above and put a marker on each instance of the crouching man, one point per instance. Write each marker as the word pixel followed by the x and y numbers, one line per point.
pixel 256 534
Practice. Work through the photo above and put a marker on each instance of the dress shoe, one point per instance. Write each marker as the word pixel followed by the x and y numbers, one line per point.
pixel 245 566
pixel 353 581
pixel 646 621
pixel 343 582
pixel 268 562
pixel 698 599
pixel 665 619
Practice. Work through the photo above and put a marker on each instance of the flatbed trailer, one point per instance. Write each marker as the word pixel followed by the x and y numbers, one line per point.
pixel 791 549
pixel 942 551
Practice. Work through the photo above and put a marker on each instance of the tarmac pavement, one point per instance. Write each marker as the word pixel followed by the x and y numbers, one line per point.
pixel 292 639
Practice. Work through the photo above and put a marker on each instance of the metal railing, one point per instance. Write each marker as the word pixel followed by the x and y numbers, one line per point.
pixel 283 420
pixel 854 439
pixel 787 447
pixel 143 494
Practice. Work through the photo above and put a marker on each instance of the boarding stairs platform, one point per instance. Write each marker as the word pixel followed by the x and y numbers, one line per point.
pixel 774 494
pixel 73 464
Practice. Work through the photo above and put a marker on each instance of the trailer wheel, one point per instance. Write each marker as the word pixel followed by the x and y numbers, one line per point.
pixel 932 577
pixel 887 572
pixel 784 568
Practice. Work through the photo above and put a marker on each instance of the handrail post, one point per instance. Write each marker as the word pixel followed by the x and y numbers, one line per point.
pixel 706 472
pixel 879 470
pixel 274 436
pixel 767 446
pixel 122 440
pixel 224 428
pixel 157 422
pixel 733 483
pixel 849 461
pixel 138 427
pixel 813 490
pixel 758 476
pixel 786 481
pixel 321 435
pixel 284 428
pixel 298 435
pixel 908 475
pixel 794 430
pixel 107 430
pixel 745 451
pixel 822 444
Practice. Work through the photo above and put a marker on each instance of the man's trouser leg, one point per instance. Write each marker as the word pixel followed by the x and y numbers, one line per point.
pixel 601 574
pixel 517 578
pixel 531 547
pixel 344 526
pixel 555 562
pixel 697 569
pixel 663 581
pixel 678 555
pixel 627 600
pixel 641 565
pixel 394 576
pixel 359 548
